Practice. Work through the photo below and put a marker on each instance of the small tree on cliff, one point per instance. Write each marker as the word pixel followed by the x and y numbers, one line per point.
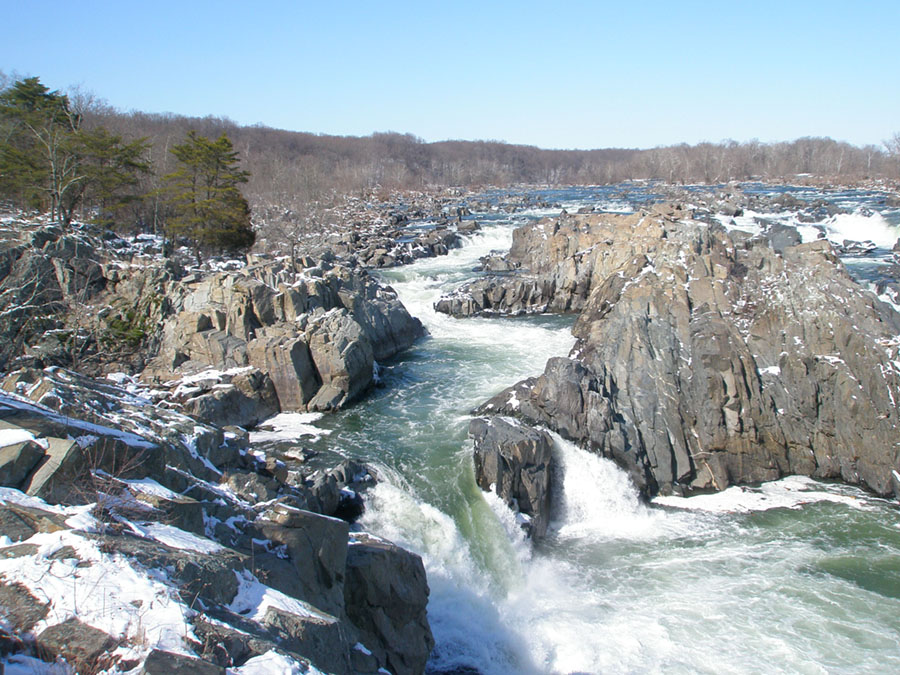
pixel 203 192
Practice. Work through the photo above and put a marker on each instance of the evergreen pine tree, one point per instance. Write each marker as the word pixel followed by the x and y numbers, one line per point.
pixel 47 160
pixel 203 192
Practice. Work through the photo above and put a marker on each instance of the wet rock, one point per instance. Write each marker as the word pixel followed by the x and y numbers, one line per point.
pixel 385 595
pixel 515 461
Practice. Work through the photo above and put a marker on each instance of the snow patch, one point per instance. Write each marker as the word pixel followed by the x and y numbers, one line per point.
pixel 288 427
pixel 14 436
pixel 254 598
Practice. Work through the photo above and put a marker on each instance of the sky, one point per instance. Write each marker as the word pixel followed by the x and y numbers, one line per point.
pixel 564 74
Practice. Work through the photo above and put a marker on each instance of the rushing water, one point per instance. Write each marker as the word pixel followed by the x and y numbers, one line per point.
pixel 794 576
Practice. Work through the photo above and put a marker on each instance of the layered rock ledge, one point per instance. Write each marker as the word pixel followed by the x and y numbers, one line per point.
pixel 135 538
pixel 316 333
pixel 704 358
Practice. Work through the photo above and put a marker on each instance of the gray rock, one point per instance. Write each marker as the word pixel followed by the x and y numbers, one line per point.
pixel 315 336
pixel 318 637
pixel 515 461
pixel 706 359
pixel 317 549
pixel 56 479
pixel 288 362
pixel 17 462
pixel 245 401
pixel 19 608
pixel 182 512
pixel 343 359
pixel 22 522
pixel 82 646
pixel 160 662
pixel 385 595
pixel 782 237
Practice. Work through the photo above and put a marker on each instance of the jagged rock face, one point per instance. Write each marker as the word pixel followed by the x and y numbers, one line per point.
pixel 40 273
pixel 225 538
pixel 706 359
pixel 558 262
pixel 386 595
pixel 316 339
pixel 515 461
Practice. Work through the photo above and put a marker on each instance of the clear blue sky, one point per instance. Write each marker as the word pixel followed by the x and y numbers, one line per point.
pixel 555 75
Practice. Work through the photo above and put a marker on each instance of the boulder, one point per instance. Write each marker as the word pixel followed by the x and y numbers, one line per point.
pixel 318 637
pixel 317 549
pixel 19 609
pixel 160 662
pixel 17 461
pixel 20 522
pixel 343 359
pixel 82 646
pixel 287 361
pixel 515 461
pixel 56 479
pixel 245 400
pixel 386 594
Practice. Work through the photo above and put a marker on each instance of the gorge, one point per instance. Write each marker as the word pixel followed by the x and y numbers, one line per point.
pixel 624 573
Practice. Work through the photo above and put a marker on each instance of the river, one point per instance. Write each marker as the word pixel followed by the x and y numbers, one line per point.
pixel 792 576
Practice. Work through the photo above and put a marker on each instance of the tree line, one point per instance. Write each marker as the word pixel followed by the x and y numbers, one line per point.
pixel 136 165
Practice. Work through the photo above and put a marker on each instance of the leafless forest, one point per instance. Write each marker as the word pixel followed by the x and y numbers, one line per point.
pixel 294 174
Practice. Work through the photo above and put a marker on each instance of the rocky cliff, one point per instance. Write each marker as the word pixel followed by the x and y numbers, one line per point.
pixel 305 334
pixel 315 333
pixel 181 548
pixel 704 357
pixel 134 536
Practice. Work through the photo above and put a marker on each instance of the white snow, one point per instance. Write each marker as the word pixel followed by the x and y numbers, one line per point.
pixel 13 436
pixel 288 427
pixel 75 425
pixel 254 598
pixel 148 486
pixel 178 538
pixel 108 594
pixel 513 401
pixel 273 663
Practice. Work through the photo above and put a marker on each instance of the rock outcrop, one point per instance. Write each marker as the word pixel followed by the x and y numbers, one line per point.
pixel 315 335
pixel 203 551
pixel 312 330
pixel 384 596
pixel 514 461
pixel 707 358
